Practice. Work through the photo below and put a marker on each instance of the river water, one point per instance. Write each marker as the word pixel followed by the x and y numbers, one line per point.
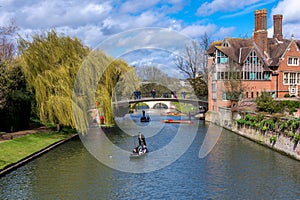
pixel 236 168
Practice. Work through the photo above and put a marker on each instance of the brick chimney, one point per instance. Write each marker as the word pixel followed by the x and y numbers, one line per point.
pixel 277 22
pixel 260 35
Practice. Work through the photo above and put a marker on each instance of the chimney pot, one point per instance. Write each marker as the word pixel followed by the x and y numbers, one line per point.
pixel 260 35
pixel 277 23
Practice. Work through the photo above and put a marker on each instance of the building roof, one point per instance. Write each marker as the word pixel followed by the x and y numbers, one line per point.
pixel 238 49
pixel 276 49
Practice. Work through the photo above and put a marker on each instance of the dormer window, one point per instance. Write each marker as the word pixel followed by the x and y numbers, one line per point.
pixel 253 59
pixel 225 44
pixel 293 61
pixel 221 58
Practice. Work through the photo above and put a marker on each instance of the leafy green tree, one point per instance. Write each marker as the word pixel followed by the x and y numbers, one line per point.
pixel 265 103
pixel 199 85
pixel 128 83
pixel 14 97
pixel 107 86
pixel 50 63
pixel 97 81
pixel 15 105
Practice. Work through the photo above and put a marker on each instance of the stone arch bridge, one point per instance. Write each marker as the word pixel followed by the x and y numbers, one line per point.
pixel 122 107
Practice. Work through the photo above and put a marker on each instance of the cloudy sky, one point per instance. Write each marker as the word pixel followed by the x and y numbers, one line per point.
pixel 95 21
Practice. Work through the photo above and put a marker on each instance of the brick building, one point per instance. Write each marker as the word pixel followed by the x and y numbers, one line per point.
pixel 259 63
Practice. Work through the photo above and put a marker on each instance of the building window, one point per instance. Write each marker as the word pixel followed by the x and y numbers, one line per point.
pixel 225 96
pixel 225 44
pixel 285 78
pixel 253 67
pixel 293 61
pixel 221 58
pixel 267 75
pixel 253 76
pixel 291 78
pixel 226 75
pixel 213 90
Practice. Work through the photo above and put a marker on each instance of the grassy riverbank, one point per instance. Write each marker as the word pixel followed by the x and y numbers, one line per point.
pixel 19 148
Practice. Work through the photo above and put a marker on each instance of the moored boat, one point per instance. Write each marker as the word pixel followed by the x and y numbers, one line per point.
pixel 177 121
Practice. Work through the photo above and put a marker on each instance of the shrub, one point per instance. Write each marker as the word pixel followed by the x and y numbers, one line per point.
pixel 273 139
pixel 295 123
pixel 283 125
pixel 241 121
pixel 264 128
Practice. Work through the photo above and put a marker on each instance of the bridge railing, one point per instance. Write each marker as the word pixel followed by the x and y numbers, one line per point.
pixel 187 95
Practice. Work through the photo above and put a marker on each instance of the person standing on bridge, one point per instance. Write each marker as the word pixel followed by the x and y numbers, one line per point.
pixel 136 94
pixel 139 94
pixel 153 93
pixel 173 94
pixel 183 93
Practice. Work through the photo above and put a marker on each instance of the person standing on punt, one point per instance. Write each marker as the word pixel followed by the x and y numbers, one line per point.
pixel 142 144
pixel 142 141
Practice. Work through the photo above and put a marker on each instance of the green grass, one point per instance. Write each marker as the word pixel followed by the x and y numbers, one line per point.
pixel 183 107
pixel 14 150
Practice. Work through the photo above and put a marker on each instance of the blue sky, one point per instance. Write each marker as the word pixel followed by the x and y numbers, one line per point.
pixel 96 21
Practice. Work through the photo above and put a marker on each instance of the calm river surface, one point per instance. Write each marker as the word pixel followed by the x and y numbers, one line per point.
pixel 236 168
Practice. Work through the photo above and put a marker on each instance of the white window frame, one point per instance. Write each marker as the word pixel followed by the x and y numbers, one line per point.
pixel 293 61
pixel 291 78
pixel 221 57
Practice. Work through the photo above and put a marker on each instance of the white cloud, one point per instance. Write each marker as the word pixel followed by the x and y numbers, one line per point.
pixel 59 13
pixel 136 6
pixel 89 20
pixel 146 19
pixel 207 8
pixel 289 9
pixel 195 31
pixel 223 32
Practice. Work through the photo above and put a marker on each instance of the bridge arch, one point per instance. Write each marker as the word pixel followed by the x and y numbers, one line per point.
pixel 155 104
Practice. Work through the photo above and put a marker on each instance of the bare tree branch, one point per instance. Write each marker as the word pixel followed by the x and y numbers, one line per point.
pixel 193 63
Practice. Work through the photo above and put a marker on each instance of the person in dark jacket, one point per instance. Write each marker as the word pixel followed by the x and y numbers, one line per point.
pixel 142 144
pixel 142 141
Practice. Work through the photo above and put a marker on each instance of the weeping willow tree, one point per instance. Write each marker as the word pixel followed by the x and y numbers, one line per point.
pixel 67 78
pixel 97 82
pixel 129 83
pixel 50 63
pixel 107 86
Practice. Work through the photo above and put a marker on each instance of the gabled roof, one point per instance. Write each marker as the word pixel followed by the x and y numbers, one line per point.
pixel 244 52
pixel 212 48
pixel 276 49
pixel 233 50
pixel 239 49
